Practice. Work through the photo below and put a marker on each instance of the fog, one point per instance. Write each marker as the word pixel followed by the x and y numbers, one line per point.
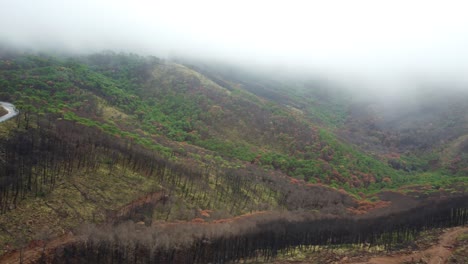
pixel 388 45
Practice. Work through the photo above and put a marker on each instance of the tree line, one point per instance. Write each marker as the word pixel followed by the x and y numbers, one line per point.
pixel 34 157
pixel 260 237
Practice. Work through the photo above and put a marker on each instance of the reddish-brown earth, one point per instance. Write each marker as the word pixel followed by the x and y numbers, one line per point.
pixel 436 254
pixel 33 252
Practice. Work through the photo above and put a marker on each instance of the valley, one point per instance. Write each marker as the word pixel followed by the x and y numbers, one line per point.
pixel 117 157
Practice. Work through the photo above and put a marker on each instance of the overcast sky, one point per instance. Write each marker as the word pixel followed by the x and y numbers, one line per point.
pixel 413 37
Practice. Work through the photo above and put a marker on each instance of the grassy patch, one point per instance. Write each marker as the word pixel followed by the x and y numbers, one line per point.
pixel 460 253
pixel 83 197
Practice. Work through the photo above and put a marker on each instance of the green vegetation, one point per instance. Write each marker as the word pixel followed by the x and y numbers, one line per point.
pixel 460 253
pixel 108 137
pixel 151 98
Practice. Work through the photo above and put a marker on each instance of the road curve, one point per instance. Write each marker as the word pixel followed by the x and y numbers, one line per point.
pixel 11 109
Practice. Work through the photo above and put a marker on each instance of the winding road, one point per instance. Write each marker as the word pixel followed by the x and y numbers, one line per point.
pixel 11 109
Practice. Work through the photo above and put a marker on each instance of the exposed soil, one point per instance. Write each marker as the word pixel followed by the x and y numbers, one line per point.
pixel 436 254
pixel 439 253
pixel 36 249
pixel 129 210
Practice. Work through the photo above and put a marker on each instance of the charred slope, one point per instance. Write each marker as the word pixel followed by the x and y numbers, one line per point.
pixel 160 127
pixel 168 106
pixel 258 236
pixel 37 162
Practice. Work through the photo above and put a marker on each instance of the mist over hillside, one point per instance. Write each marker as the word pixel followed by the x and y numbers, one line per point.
pixel 215 132
pixel 392 47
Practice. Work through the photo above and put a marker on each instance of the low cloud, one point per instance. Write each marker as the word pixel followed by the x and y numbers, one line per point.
pixel 386 44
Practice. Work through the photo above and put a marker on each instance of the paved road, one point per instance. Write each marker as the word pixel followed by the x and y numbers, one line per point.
pixel 10 109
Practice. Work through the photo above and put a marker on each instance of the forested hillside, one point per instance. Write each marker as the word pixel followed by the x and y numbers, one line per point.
pixel 108 138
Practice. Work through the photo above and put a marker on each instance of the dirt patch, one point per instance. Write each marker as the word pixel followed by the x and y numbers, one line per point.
pixel 439 251
pixel 131 210
pixel 365 207
pixel 436 254
pixel 460 253
pixel 37 249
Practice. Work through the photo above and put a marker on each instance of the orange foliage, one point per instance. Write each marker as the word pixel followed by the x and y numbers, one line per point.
pixel 392 155
pixel 228 220
pixel 366 206
pixel 343 191
pixel 205 213
pixel 295 181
